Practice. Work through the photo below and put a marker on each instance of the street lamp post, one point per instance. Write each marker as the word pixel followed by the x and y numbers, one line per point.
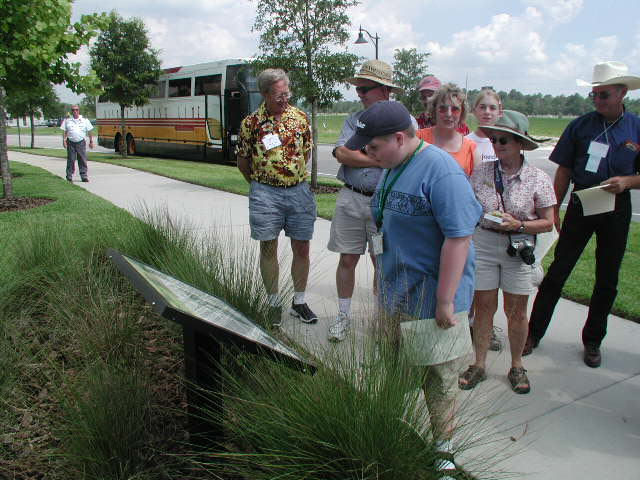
pixel 374 39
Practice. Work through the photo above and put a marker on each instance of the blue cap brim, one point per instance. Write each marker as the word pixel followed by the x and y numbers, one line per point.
pixel 357 142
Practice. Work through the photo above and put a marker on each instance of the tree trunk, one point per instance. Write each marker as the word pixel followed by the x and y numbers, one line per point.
pixel 33 137
pixel 314 151
pixel 123 139
pixel 7 185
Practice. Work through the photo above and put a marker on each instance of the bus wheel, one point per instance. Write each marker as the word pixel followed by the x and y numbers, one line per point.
pixel 116 143
pixel 131 145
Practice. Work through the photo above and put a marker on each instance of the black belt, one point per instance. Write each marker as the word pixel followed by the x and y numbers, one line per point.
pixel 75 142
pixel 357 190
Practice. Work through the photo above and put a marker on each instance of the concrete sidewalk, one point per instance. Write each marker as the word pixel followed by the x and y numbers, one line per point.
pixel 576 423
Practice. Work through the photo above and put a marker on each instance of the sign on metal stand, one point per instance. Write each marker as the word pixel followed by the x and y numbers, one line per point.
pixel 209 325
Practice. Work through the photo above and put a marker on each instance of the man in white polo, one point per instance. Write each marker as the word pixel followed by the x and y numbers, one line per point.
pixel 75 129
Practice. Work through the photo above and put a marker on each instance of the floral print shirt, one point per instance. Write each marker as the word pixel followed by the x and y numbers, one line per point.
pixel 282 166
pixel 524 192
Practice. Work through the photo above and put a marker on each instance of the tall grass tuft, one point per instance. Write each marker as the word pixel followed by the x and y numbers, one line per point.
pixel 359 417
pixel 107 424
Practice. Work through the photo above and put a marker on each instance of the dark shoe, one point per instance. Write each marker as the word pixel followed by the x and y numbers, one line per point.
pixel 274 315
pixel 495 344
pixel 471 377
pixel 519 380
pixel 69 179
pixel 85 180
pixel 529 345
pixel 592 356
pixel 303 312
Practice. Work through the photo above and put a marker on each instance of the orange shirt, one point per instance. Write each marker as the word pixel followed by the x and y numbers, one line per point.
pixel 464 156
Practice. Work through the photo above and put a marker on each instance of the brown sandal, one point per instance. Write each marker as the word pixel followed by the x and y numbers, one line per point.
pixel 519 381
pixel 472 377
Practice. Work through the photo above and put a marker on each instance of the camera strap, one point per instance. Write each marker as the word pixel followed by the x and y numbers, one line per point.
pixel 498 183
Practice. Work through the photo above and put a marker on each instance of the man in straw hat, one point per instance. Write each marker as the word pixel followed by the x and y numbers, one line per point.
pixel 352 225
pixel 599 148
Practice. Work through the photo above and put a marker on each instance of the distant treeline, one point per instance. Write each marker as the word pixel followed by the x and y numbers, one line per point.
pixel 536 104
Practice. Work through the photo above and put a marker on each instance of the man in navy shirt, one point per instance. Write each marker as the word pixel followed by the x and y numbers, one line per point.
pixel 599 148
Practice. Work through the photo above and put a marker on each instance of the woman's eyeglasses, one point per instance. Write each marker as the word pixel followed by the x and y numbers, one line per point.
pixel 455 110
pixel 364 90
pixel 602 95
pixel 500 140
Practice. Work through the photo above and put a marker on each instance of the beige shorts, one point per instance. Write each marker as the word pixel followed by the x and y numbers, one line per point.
pixel 496 269
pixel 352 225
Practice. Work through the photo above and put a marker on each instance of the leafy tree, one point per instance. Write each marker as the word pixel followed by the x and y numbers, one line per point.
pixel 298 37
pixel 28 100
pixel 409 66
pixel 88 106
pixel 36 36
pixel 126 65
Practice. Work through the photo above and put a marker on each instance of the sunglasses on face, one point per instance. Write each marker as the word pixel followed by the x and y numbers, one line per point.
pixel 364 90
pixel 445 108
pixel 602 95
pixel 75 109
pixel 500 140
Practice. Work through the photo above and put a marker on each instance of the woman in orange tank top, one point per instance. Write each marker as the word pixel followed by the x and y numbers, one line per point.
pixel 449 107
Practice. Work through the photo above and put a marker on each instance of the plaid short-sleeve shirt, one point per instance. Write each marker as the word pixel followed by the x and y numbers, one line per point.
pixel 282 166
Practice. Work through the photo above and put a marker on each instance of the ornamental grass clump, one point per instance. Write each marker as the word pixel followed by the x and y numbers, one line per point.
pixel 361 416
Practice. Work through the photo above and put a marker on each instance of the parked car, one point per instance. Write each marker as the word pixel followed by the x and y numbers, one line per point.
pixel 54 122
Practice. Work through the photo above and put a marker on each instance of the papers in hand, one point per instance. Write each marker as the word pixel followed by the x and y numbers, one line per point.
pixel 596 200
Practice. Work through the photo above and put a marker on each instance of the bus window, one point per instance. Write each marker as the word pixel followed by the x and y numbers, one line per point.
pixel 180 87
pixel 209 85
pixel 158 89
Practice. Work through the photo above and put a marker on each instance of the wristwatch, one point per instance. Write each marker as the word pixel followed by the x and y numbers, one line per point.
pixel 521 227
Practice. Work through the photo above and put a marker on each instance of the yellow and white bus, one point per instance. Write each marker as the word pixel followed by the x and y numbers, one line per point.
pixel 194 113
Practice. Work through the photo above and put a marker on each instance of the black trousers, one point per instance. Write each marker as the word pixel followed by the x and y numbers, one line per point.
pixel 611 231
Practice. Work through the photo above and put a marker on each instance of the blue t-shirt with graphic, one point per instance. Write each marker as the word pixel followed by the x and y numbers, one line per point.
pixel 432 200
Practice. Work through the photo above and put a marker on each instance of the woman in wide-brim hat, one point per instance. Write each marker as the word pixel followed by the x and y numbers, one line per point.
pixel 517 201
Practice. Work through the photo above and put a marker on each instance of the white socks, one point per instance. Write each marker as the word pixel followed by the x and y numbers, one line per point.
pixel 272 299
pixel 298 298
pixel 344 305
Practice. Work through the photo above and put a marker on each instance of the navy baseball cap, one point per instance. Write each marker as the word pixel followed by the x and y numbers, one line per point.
pixel 381 118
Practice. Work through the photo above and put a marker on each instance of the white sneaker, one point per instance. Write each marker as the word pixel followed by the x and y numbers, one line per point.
pixel 338 331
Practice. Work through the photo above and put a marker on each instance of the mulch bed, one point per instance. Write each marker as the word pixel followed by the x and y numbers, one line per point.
pixel 22 203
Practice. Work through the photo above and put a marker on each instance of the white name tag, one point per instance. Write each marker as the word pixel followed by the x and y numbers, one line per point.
pixel 376 243
pixel 597 151
pixel 271 141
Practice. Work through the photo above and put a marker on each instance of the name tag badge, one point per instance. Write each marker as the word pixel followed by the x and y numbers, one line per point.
pixel 271 141
pixel 376 243
pixel 597 151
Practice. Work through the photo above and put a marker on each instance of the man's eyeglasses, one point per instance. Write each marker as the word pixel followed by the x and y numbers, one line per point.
pixel 500 140
pixel 75 109
pixel 602 95
pixel 364 90
pixel 283 97
pixel 455 110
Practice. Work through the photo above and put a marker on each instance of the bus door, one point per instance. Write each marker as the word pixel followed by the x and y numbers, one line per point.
pixel 241 97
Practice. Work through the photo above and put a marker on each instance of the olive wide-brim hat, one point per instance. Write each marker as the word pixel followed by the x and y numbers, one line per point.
pixel 376 71
pixel 515 123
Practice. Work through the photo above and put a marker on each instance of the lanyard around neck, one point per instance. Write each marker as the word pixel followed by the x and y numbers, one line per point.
pixel 384 192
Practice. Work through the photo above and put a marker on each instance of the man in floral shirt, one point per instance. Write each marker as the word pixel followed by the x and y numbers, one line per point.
pixel 273 150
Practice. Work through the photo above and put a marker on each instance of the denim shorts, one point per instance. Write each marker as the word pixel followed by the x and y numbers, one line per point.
pixel 272 209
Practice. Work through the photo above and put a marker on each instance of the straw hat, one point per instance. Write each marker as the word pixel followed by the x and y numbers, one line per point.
pixel 611 73
pixel 515 123
pixel 376 71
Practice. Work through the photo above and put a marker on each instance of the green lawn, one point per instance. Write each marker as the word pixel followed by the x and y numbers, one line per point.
pixel 228 178
pixel 39 131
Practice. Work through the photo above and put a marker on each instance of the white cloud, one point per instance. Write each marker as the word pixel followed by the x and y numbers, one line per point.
pixel 558 11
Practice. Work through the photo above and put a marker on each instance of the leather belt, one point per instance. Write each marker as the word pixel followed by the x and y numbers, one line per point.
pixel 358 190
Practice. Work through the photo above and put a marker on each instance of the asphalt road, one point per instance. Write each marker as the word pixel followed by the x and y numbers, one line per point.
pixel 327 165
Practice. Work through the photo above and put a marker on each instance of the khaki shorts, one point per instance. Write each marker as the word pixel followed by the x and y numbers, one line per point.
pixel 496 269
pixel 352 225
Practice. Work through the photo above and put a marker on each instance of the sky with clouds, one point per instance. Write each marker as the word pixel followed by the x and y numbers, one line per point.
pixel 530 45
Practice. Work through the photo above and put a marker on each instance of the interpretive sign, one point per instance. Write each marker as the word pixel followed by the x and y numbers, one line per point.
pixel 208 324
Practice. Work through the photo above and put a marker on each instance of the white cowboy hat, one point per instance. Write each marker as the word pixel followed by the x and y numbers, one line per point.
pixel 611 73
pixel 376 71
